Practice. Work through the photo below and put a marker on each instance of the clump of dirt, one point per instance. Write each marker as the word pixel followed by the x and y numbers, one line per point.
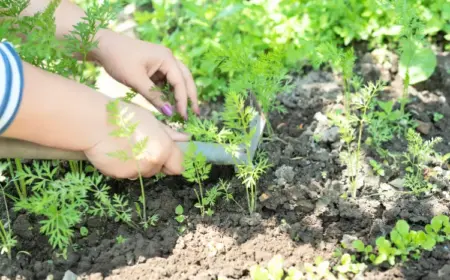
pixel 301 213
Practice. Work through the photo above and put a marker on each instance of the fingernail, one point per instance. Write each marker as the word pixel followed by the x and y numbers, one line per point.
pixel 167 110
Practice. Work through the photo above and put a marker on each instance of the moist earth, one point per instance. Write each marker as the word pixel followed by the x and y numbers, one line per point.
pixel 301 214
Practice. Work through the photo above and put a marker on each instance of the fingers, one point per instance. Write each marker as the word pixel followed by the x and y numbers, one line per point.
pixel 175 135
pixel 176 79
pixel 146 87
pixel 190 86
pixel 174 163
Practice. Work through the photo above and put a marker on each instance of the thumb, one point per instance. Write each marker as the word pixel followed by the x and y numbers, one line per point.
pixel 142 84
pixel 175 135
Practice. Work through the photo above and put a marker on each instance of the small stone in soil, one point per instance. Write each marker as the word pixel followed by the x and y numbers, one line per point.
pixel 263 197
pixel 69 275
pixel 386 191
pixel 321 155
pixel 444 272
pixel 285 174
pixel 330 135
pixel 397 183
pixel 305 206
pixel 347 240
pixel 253 220
pixel 423 127
pixel 372 181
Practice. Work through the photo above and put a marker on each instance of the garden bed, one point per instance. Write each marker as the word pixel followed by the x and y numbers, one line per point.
pixel 300 212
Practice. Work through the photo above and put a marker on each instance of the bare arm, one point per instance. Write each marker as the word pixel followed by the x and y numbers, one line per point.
pixel 44 108
pixel 58 112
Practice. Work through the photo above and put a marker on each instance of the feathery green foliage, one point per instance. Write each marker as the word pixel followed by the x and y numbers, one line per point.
pixel 7 238
pixel 122 119
pixel 197 171
pixel 62 200
pixel 196 27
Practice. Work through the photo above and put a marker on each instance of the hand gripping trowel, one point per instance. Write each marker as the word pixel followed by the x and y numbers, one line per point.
pixel 215 153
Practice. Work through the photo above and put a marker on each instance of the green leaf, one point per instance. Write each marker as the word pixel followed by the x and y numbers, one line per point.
pixel 358 245
pixel 386 106
pixel 402 227
pixel 229 11
pixel 438 222
pixel 259 273
pixel 429 243
pixel 380 259
pixel 420 65
pixel 198 205
pixel 179 210
pixel 84 231
pixel 275 267
pixel 180 218
pixel 391 260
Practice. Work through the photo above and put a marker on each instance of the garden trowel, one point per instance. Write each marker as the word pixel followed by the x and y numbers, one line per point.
pixel 215 153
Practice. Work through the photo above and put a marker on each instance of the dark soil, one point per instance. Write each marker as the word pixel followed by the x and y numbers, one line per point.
pixel 301 214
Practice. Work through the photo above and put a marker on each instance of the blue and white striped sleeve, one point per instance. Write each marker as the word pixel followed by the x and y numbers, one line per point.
pixel 11 84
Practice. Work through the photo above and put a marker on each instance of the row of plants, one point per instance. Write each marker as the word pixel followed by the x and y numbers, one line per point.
pixel 402 244
pixel 365 116
pixel 193 28
pixel 62 196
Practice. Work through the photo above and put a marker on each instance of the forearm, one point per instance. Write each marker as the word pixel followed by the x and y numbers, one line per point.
pixel 58 112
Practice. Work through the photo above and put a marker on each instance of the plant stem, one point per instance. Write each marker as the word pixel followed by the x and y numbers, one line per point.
pixel 144 204
pixel 405 92
pixel 22 190
pixel 141 182
pixel 200 186
pixel 73 166
pixel 346 98
pixel 4 235
pixel 358 152
pixel 11 172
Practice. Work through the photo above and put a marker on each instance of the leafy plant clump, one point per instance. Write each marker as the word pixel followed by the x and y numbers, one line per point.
pixel 404 243
pixel 344 268
pixel 257 81
pixel 358 105
pixel 293 26
pixel 126 129
pixel 401 244
pixel 7 239
pixel 417 158
pixel 62 201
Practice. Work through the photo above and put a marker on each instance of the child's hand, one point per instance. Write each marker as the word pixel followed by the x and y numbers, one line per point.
pixel 160 155
pixel 141 66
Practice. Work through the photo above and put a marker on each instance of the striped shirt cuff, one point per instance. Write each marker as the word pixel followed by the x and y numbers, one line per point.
pixel 11 84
